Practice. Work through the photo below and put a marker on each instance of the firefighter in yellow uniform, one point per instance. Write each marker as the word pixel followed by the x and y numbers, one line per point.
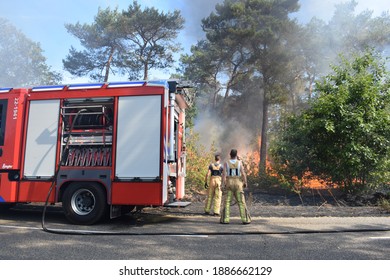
pixel 214 194
pixel 234 179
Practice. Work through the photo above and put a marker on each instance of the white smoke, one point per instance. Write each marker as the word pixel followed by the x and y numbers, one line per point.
pixel 193 12
pixel 223 135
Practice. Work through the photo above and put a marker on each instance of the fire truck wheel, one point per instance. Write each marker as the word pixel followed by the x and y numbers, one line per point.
pixel 84 203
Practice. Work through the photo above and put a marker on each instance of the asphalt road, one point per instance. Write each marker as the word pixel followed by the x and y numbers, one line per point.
pixel 170 236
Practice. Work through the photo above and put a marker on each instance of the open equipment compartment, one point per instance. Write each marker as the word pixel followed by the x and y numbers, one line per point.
pixel 87 132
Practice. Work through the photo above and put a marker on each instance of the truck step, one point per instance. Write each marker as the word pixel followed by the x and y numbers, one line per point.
pixel 178 204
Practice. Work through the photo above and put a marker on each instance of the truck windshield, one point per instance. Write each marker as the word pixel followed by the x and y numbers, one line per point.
pixel 3 115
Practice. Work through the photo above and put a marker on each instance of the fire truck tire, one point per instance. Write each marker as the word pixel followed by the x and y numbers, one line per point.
pixel 84 203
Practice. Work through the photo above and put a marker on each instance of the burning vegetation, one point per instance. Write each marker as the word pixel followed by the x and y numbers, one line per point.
pixel 316 94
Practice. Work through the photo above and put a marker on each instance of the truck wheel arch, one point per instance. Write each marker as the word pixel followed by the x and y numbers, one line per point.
pixel 61 188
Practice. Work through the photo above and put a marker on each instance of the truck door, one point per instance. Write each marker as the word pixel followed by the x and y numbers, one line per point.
pixel 41 139
pixel 3 119
pixel 11 135
pixel 139 136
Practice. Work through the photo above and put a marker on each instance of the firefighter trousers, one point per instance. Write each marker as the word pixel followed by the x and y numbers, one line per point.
pixel 234 188
pixel 214 195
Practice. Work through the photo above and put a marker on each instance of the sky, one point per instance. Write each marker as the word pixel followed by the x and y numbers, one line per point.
pixel 43 21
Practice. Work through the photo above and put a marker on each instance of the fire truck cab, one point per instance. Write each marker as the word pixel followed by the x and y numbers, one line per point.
pixel 95 148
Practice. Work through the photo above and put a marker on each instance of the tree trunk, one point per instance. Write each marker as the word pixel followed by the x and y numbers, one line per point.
pixel 108 64
pixel 293 105
pixel 264 137
pixel 311 85
pixel 215 99
pixel 145 71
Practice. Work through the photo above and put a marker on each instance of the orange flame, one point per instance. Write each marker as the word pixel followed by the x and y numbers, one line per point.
pixel 252 160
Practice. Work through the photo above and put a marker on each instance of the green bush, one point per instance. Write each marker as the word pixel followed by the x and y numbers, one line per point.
pixel 344 137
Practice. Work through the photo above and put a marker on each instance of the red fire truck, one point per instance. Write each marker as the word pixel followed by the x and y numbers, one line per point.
pixel 96 148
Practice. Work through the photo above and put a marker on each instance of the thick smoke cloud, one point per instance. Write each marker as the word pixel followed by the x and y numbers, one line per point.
pixel 193 12
pixel 222 134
